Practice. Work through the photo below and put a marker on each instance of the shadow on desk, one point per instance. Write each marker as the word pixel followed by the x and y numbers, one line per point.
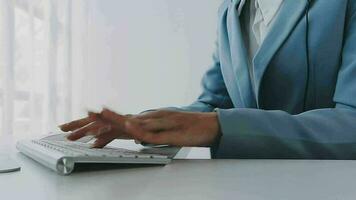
pixel 85 167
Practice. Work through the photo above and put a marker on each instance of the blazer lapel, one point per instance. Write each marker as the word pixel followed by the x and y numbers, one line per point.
pixel 290 13
pixel 239 56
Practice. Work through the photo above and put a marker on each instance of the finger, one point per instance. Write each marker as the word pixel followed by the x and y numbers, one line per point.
pixel 95 128
pixel 158 124
pixel 76 124
pixel 134 129
pixel 104 139
pixel 93 115
pixel 112 117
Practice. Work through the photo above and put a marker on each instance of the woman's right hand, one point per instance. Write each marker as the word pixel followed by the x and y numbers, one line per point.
pixel 103 130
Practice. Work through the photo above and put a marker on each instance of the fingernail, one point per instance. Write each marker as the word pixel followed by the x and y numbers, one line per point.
pixel 69 135
pixel 69 138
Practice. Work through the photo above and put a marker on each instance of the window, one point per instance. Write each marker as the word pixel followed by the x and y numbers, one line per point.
pixel 35 64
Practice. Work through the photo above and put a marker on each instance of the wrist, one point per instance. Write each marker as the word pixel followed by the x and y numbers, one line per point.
pixel 213 126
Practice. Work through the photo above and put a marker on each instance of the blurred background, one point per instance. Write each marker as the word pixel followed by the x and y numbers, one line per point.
pixel 59 58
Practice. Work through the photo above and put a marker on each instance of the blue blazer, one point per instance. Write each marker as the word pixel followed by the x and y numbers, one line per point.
pixel 294 111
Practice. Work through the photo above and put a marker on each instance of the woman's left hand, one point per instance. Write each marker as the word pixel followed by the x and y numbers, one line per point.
pixel 174 128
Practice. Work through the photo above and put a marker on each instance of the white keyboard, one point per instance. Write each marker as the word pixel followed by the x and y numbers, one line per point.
pixel 61 156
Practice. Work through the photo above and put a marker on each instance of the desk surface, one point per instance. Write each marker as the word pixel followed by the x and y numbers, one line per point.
pixel 188 179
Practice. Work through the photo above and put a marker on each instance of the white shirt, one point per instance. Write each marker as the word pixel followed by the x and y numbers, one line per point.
pixel 257 20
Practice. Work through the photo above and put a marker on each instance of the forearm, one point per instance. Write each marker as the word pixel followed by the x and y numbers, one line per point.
pixel 251 133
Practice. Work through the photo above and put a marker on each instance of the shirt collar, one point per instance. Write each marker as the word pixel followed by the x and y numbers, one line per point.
pixel 269 8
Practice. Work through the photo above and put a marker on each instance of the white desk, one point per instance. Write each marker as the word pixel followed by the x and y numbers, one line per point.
pixel 188 179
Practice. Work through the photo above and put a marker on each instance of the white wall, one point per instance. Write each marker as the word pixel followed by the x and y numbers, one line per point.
pixel 145 54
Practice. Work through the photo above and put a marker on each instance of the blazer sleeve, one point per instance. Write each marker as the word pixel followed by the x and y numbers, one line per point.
pixel 317 134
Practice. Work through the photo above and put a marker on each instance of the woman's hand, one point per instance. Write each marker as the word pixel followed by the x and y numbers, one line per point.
pixel 104 130
pixel 155 127
pixel 174 128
